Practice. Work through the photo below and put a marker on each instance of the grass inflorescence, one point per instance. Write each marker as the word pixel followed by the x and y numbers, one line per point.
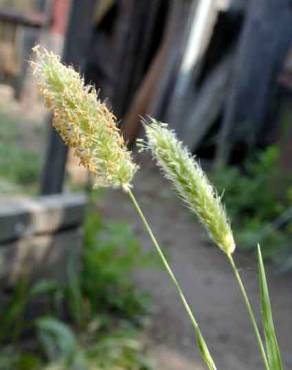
pixel 83 121
pixel 86 125
pixel 190 182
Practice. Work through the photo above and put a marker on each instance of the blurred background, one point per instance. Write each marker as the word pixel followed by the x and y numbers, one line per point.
pixel 79 285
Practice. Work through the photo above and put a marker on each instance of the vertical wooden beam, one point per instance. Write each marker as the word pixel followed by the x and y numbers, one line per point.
pixel 135 31
pixel 75 51
pixel 207 104
pixel 30 37
pixel 151 94
pixel 172 42
pixel 125 45
pixel 202 18
pixel 263 45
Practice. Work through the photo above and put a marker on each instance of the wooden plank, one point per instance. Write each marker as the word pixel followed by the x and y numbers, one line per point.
pixel 283 178
pixel 198 34
pixel 149 14
pixel 124 42
pixel 207 105
pixel 75 50
pixel 28 38
pixel 263 45
pixel 146 94
pixel 132 49
pixel 233 6
pixel 23 217
pixel 173 44
pixel 32 19
pixel 40 257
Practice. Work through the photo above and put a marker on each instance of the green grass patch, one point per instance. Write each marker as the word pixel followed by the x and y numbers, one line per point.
pixel 94 320
pixel 259 212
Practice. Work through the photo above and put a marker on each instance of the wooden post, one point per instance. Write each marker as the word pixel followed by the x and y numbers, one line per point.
pixel 207 104
pixel 263 45
pixel 172 42
pixel 40 237
pixel 75 51
pixel 134 32
pixel 150 91
pixel 31 23
pixel 203 15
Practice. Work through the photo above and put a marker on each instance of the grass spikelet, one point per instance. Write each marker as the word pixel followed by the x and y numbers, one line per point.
pixel 83 121
pixel 190 182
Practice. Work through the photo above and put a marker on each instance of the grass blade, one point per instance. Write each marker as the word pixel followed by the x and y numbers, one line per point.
pixel 272 347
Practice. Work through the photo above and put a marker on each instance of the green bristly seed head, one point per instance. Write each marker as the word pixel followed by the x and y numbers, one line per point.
pixel 190 182
pixel 83 121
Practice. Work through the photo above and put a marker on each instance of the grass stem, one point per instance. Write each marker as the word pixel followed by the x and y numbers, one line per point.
pixel 250 311
pixel 200 340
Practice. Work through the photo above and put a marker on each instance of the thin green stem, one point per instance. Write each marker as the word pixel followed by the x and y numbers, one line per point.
pixel 200 340
pixel 250 311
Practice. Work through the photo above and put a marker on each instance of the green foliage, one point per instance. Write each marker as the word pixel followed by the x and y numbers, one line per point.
pixel 61 349
pixel 89 323
pixel 12 312
pixel 18 165
pixel 272 347
pixel 8 127
pixel 12 359
pixel 57 339
pixel 118 350
pixel 254 206
pixel 111 254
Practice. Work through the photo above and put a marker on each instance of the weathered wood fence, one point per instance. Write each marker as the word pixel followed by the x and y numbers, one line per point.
pixel 196 64
pixel 39 236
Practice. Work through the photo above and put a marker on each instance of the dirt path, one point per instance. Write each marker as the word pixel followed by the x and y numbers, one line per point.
pixel 207 281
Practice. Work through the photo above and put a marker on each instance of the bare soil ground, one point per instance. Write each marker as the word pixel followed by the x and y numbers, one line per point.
pixel 207 281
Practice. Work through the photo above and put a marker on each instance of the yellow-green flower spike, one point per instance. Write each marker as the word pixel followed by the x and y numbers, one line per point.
pixel 83 121
pixel 190 182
